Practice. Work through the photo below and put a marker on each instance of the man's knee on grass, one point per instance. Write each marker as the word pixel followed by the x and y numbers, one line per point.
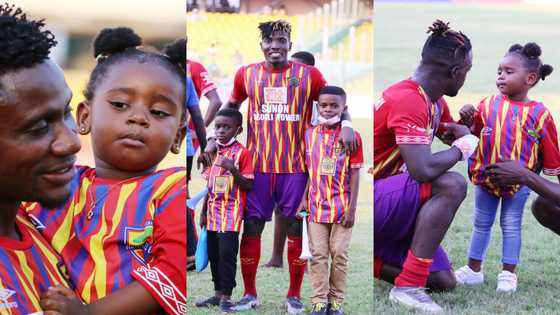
pixel 442 281
pixel 452 185
pixel 546 212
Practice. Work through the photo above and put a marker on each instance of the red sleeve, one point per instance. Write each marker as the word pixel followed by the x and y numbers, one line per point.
pixel 408 119
pixel 549 147
pixel 246 164
pixel 445 117
pixel 204 83
pixel 165 275
pixel 357 158
pixel 478 123
pixel 317 83
pixel 239 93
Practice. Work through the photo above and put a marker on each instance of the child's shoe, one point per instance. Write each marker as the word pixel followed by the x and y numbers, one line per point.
pixel 211 301
pixel 507 282
pixel 226 307
pixel 319 309
pixel 465 275
pixel 335 308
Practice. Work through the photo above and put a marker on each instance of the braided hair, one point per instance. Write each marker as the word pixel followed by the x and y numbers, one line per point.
pixel 23 43
pixel 114 45
pixel 268 28
pixel 531 53
pixel 445 46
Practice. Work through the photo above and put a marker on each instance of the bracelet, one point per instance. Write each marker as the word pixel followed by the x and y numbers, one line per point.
pixel 346 123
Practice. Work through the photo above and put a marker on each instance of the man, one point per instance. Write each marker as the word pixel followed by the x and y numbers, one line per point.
pixel 281 95
pixel 415 196
pixel 281 223
pixel 39 145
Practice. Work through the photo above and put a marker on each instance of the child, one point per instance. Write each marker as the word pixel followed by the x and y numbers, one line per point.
pixel 122 232
pixel 229 178
pixel 510 127
pixel 331 200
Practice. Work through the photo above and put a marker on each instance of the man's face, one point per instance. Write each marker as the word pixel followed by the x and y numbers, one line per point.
pixel 458 78
pixel 37 136
pixel 275 48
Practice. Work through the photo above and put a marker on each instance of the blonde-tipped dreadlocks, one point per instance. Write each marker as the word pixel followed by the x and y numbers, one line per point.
pixel 267 28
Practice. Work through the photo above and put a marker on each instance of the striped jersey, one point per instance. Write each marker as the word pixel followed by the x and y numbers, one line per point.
pixel 329 170
pixel 404 115
pixel 112 232
pixel 226 201
pixel 513 130
pixel 28 268
pixel 279 111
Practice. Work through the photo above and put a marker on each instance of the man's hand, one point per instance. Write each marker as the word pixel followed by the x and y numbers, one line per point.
pixel 348 219
pixel 467 113
pixel 227 164
pixel 453 132
pixel 507 173
pixel 203 219
pixel 61 300
pixel 348 140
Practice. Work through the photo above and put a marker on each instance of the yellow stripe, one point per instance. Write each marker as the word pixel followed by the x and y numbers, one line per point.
pixel 277 133
pixel 318 175
pixel 86 290
pixel 389 159
pixel 27 280
pixel 52 261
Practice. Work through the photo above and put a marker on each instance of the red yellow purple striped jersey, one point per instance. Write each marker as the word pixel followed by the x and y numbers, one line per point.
pixel 226 201
pixel 512 130
pixel 404 115
pixel 28 268
pixel 329 170
pixel 200 78
pixel 112 232
pixel 279 111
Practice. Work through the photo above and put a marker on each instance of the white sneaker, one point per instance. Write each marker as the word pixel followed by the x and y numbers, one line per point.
pixel 415 298
pixel 507 282
pixel 465 275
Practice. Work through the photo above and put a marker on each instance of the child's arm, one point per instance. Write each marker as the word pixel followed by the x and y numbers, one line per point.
pixel 132 299
pixel 204 212
pixel 350 215
pixel 243 182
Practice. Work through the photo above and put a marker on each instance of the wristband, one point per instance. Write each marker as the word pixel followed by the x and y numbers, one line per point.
pixel 210 134
pixel 467 145
pixel 346 123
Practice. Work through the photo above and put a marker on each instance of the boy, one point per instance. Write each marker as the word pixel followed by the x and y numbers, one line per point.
pixel 229 178
pixel 332 196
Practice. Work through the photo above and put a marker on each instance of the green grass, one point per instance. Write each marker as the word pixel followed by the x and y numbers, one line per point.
pixel 272 284
pixel 492 30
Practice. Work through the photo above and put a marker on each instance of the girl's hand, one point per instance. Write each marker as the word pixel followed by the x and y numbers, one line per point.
pixel 467 113
pixel 63 301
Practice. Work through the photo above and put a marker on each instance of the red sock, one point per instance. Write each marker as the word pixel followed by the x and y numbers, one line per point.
pixel 415 272
pixel 296 266
pixel 249 255
pixel 377 264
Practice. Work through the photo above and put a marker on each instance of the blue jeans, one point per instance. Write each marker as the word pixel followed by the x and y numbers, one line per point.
pixel 511 215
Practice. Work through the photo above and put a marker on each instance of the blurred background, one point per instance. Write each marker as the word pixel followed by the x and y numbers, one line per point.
pixel 75 24
pixel 223 35
pixel 492 26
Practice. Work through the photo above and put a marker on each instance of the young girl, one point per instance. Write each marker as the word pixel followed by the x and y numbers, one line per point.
pixel 511 127
pixel 122 232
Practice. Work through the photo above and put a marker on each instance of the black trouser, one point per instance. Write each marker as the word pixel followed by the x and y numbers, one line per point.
pixel 191 239
pixel 222 254
pixel 189 167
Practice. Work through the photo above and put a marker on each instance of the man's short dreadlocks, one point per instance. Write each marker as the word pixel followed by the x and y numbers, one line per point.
pixel 22 42
pixel 445 46
pixel 267 28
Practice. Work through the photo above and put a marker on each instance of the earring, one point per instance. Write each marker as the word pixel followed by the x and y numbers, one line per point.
pixel 82 129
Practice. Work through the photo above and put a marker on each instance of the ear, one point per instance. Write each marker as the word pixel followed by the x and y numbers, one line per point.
pixel 345 108
pixel 179 137
pixel 290 46
pixel 453 72
pixel 239 130
pixel 83 117
pixel 532 78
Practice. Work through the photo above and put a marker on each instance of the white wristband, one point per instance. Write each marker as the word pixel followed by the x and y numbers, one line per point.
pixel 346 123
pixel 210 134
pixel 467 145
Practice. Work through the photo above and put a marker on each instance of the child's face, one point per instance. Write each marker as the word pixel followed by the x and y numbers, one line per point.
pixel 513 78
pixel 37 135
pixel 134 117
pixel 330 105
pixel 225 128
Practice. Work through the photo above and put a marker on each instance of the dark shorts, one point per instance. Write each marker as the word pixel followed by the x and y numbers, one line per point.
pixel 397 201
pixel 270 190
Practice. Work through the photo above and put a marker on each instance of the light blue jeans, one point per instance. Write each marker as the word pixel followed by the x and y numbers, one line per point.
pixel 511 216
